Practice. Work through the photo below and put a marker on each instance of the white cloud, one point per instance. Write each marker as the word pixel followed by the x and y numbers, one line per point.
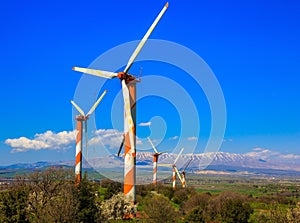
pixel 108 137
pixel 47 140
pixel 263 153
pixel 270 154
pixel 173 138
pixel 144 124
pixel 290 156
pixel 192 138
pixel 257 149
pixel 64 140
pixel 111 138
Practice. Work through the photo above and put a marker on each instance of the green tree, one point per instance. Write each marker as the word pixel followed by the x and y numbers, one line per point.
pixel 112 188
pixel 197 200
pixel 13 203
pixel 293 214
pixel 236 211
pixel 159 209
pixel 87 209
pixel 167 191
pixel 63 207
pixel 143 190
pixel 228 207
pixel 275 214
pixel 180 195
pixel 49 196
pixel 50 193
pixel 196 215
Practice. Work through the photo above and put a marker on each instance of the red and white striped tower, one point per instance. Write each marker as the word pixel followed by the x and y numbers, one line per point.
pixel 155 160
pixel 129 149
pixel 78 164
pixel 79 134
pixel 174 177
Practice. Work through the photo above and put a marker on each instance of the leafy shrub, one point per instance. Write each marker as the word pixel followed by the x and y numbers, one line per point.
pixel 159 209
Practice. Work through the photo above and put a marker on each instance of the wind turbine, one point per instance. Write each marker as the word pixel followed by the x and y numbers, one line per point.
pixel 155 160
pixel 175 170
pixel 183 172
pixel 129 95
pixel 79 127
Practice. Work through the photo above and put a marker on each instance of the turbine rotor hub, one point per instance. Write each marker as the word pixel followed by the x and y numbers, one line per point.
pixel 127 77
pixel 81 118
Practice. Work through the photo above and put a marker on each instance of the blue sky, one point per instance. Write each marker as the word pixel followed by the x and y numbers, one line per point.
pixel 252 48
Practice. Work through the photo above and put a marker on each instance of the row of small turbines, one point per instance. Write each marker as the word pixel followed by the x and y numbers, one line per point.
pixel 128 83
pixel 180 174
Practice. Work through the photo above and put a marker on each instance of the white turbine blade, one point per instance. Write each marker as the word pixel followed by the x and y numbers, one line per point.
pixel 155 150
pixel 178 174
pixel 187 164
pixel 178 155
pixel 143 41
pixel 86 139
pixel 128 120
pixel 96 104
pixel 77 108
pixel 99 73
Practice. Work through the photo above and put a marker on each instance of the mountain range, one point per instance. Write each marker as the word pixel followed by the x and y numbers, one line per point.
pixel 257 162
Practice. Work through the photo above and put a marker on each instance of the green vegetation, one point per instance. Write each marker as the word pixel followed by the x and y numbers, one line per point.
pixel 51 196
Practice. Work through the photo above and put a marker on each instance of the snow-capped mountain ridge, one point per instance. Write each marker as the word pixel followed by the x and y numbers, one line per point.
pixel 257 160
pixel 251 160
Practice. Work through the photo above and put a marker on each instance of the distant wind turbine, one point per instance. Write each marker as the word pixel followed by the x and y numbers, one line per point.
pixel 155 160
pixel 175 170
pixel 183 172
pixel 79 133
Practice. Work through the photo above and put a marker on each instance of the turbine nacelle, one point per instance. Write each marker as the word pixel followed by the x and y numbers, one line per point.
pixel 127 77
pixel 158 154
pixel 82 118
